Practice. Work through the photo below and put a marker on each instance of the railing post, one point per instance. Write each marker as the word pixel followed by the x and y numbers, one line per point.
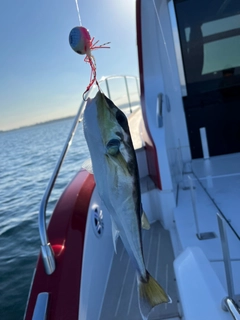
pixel 204 235
pixel 193 197
pixel 226 255
pixel 229 304
pixel 108 91
pixel 129 101
pixel 137 83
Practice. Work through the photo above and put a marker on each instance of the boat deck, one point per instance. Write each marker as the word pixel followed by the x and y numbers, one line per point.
pixel 220 176
pixel 121 301
pixel 217 188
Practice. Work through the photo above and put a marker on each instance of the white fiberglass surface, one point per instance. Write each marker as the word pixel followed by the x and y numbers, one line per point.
pixel 220 176
pixel 197 282
pixel 216 188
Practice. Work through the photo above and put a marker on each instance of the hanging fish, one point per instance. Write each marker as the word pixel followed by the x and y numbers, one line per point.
pixel 116 174
pixel 82 43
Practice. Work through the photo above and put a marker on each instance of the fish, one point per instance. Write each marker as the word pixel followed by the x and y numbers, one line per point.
pixel 116 175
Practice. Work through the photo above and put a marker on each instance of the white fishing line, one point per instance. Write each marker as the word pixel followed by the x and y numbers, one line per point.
pixel 78 12
pixel 158 254
pixel 149 250
pixel 131 296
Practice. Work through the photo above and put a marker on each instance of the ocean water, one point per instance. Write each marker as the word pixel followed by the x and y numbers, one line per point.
pixel 27 159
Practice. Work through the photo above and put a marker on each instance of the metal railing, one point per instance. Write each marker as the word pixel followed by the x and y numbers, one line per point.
pixel 46 249
pixel 229 303
pixel 40 309
pixel 125 78
pixel 200 235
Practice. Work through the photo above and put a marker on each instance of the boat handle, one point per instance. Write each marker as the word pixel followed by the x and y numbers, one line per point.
pixel 230 305
pixel 159 110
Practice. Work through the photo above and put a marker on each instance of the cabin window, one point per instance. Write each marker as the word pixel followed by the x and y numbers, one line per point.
pixel 209 32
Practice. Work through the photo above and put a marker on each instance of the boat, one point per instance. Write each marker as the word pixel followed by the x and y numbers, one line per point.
pixel 186 135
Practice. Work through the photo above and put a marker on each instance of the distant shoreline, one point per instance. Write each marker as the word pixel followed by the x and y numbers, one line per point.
pixel 37 124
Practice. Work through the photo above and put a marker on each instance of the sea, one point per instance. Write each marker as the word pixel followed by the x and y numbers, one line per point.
pixel 27 159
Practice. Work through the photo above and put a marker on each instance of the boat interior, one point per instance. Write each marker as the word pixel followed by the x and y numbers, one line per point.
pixel 185 126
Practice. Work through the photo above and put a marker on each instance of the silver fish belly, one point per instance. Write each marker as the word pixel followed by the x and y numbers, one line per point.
pixel 116 174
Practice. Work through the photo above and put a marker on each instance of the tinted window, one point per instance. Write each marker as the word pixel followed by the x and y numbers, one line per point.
pixel 209 33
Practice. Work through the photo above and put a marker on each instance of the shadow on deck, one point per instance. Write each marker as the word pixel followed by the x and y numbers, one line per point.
pixel 121 301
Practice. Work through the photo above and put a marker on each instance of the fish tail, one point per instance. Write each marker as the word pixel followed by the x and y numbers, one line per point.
pixel 150 294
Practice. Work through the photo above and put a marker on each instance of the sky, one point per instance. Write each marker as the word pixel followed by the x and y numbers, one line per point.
pixel 42 78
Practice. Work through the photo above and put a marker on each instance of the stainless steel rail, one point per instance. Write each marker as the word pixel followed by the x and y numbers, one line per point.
pixel 231 306
pixel 226 255
pixel 46 249
pixel 40 310
pixel 125 78
pixel 228 304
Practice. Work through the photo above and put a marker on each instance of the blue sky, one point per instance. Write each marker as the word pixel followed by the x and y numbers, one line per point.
pixel 42 78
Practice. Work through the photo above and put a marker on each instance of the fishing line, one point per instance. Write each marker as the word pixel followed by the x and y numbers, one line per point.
pixel 82 43
pixel 78 12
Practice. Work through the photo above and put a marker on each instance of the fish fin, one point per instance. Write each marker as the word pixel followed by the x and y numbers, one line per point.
pixel 144 221
pixel 150 294
pixel 115 234
pixel 87 165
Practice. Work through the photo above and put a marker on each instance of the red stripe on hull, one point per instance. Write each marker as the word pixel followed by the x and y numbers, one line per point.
pixel 151 152
pixel 66 234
